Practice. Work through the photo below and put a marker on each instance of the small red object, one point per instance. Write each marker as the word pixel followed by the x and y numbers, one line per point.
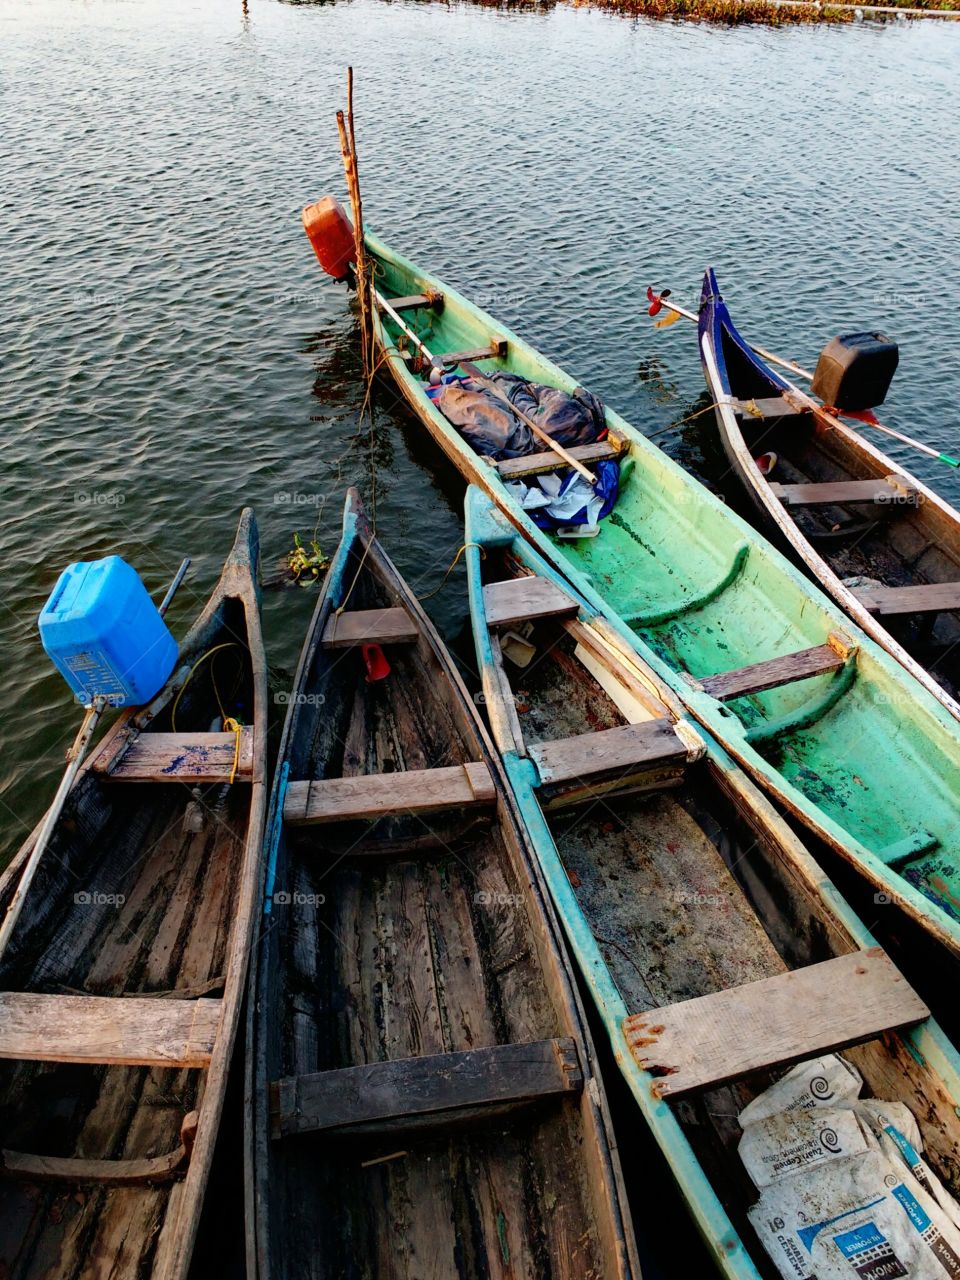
pixel 656 300
pixel 375 660
pixel 863 415
pixel 330 232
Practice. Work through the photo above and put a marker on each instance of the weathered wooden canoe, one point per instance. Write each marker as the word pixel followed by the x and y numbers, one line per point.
pixel 883 544
pixel 423 1092
pixel 676 881
pixel 123 979
pixel 814 708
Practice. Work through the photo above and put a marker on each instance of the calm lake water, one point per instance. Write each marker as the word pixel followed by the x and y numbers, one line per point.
pixel 171 350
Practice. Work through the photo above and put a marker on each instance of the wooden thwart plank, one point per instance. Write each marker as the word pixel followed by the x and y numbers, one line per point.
pixel 369 626
pixel 132 1031
pixel 713 1039
pixel 182 757
pixel 518 599
pixel 927 597
pixel 623 750
pixel 890 491
pixel 413 300
pixel 535 463
pixel 379 795
pixel 774 672
pixel 766 407
pixel 403 1093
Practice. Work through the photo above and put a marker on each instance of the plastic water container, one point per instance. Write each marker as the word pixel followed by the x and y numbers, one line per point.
pixel 105 634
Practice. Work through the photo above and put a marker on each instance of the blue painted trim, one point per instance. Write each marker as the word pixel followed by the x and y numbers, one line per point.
pixel 276 830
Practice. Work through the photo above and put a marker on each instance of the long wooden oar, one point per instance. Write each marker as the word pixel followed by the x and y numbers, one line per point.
pixel 490 386
pixel 820 410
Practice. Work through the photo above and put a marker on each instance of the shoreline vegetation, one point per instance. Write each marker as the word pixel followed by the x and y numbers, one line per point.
pixel 773 13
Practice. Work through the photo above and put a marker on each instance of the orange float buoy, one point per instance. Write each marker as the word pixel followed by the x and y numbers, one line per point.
pixel 330 232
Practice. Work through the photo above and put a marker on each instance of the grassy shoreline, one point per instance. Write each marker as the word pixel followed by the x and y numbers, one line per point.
pixel 771 13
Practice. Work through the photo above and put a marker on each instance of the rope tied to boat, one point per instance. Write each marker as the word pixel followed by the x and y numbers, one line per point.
pixel 233 726
pixel 453 565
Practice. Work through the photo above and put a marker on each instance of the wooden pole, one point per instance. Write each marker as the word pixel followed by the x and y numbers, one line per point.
pixel 348 151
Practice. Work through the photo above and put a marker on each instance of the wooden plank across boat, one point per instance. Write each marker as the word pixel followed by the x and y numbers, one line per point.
pixel 840 506
pixel 123 977
pixel 696 592
pixel 713 945
pixel 420 1076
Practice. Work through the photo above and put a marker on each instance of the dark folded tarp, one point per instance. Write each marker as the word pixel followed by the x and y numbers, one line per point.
pixel 495 431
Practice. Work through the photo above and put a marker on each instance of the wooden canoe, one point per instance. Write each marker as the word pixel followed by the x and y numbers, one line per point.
pixel 676 881
pixel 422 1087
pixel 884 545
pixel 121 986
pixel 834 729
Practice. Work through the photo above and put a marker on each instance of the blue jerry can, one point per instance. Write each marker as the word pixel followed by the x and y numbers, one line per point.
pixel 105 634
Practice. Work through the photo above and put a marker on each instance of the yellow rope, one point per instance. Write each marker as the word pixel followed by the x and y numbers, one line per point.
pixel 233 726
pixel 230 725
pixel 453 565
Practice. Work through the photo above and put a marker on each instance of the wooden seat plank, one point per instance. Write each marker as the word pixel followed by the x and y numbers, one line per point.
pixel 767 407
pixel 386 1096
pixel 622 750
pixel 497 349
pixel 889 490
pixel 536 463
pixel 712 1039
pixel 181 757
pixel 519 599
pixel 926 597
pixel 129 1030
pixel 379 795
pixel 770 674
pixel 412 301
pixel 369 626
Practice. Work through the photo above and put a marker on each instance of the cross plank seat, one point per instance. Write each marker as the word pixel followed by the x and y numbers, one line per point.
pixel 369 626
pixel 383 1097
pixel 519 599
pixel 179 757
pixel 497 349
pixel 767 407
pixel 619 754
pixel 26 1167
pixel 888 490
pixel 536 463
pixel 801 665
pixel 135 1031
pixel 927 597
pixel 713 1039
pixel 380 795
pixel 413 301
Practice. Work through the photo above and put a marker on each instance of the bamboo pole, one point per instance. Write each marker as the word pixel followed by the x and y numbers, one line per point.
pixel 348 151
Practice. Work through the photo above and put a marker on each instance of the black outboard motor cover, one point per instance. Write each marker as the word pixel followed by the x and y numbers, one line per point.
pixel 855 370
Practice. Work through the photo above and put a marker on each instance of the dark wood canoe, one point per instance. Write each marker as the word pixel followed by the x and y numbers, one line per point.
pixel 121 986
pixel 713 945
pixel 422 1089
pixel 884 545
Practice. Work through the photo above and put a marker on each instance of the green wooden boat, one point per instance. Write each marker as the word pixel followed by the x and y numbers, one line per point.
pixel 814 709
pixel 677 881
